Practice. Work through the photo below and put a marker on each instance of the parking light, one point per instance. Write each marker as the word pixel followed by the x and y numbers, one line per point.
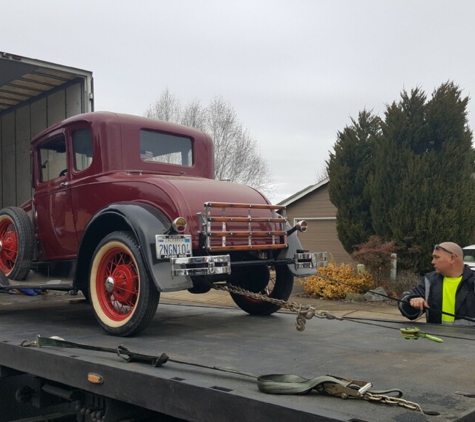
pixel 179 224
pixel 301 226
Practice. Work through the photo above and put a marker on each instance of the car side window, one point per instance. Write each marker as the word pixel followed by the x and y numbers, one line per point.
pixel 52 159
pixel 82 149
pixel 165 148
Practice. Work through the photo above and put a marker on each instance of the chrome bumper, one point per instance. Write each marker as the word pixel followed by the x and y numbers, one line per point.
pixel 310 260
pixel 221 264
pixel 201 265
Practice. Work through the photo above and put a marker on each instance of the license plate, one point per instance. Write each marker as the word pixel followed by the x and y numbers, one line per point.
pixel 176 246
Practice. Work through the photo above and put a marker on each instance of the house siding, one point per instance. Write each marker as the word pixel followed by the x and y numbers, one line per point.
pixel 320 213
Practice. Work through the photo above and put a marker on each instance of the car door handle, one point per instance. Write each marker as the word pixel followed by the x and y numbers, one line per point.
pixel 64 184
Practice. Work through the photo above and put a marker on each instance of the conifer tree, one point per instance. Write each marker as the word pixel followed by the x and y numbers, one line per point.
pixel 402 131
pixel 408 178
pixel 349 167
pixel 423 189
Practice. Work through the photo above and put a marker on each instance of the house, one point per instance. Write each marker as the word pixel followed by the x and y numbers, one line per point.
pixel 313 204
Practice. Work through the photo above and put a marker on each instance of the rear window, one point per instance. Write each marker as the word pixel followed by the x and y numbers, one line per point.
pixel 165 148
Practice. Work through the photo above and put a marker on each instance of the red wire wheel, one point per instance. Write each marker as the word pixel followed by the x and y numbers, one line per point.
pixel 16 243
pixel 119 287
pixel 123 297
pixel 9 245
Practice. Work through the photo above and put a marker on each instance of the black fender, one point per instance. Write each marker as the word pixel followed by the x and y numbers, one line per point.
pixel 145 221
pixel 294 245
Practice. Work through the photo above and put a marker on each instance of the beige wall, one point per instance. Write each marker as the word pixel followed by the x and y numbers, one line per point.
pixel 316 208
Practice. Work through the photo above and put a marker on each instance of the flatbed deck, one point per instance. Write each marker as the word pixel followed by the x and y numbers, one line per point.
pixel 430 374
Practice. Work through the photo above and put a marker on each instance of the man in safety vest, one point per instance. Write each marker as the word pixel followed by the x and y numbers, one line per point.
pixel 446 295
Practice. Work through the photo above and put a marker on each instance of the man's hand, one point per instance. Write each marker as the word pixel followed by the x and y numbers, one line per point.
pixel 418 303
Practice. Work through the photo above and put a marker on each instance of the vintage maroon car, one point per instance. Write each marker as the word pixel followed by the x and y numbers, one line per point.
pixel 132 206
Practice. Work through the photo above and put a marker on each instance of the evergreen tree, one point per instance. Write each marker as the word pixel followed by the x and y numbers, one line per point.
pixel 423 187
pixel 408 179
pixel 453 164
pixel 348 169
pixel 396 171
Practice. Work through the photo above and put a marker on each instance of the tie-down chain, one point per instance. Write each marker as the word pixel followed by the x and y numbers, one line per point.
pixel 304 312
pixel 307 312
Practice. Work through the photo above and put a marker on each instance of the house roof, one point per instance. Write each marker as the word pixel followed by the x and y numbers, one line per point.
pixel 303 192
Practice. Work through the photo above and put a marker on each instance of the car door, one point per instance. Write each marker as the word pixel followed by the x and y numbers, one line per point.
pixel 52 199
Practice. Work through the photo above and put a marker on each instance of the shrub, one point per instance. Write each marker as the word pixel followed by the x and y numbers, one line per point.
pixel 375 254
pixel 405 280
pixel 351 282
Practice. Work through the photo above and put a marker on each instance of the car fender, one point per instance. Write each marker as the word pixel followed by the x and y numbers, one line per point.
pixel 145 221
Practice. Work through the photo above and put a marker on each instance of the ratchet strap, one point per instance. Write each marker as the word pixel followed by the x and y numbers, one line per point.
pixel 328 385
pixel 271 384
pixel 121 351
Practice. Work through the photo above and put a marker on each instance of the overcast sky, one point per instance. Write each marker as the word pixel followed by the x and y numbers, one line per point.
pixel 295 71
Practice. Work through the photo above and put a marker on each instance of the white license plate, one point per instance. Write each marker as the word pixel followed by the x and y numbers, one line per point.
pixel 176 246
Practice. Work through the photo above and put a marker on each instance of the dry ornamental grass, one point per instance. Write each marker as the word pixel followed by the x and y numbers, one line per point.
pixel 351 282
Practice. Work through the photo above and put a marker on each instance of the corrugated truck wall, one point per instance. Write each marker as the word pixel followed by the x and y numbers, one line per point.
pixel 23 123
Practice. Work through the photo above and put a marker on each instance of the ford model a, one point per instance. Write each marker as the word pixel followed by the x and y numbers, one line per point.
pixel 131 207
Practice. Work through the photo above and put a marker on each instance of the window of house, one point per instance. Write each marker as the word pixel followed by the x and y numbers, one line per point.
pixel 164 148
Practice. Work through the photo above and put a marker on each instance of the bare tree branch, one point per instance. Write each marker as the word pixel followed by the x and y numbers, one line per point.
pixel 166 108
pixel 236 154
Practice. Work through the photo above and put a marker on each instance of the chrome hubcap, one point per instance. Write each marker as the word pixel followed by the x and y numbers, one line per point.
pixel 109 284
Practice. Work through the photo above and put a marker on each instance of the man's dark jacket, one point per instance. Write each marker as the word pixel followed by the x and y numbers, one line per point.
pixel 430 288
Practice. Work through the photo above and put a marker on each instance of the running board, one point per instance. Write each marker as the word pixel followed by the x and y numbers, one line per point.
pixel 62 285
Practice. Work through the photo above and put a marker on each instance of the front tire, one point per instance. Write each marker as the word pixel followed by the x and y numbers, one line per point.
pixel 123 296
pixel 16 243
pixel 276 282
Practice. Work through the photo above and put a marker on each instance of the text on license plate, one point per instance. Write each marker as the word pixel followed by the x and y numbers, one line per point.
pixel 177 246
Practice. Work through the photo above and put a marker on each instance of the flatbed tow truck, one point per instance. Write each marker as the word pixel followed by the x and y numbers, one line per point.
pixel 214 351
pixel 130 208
